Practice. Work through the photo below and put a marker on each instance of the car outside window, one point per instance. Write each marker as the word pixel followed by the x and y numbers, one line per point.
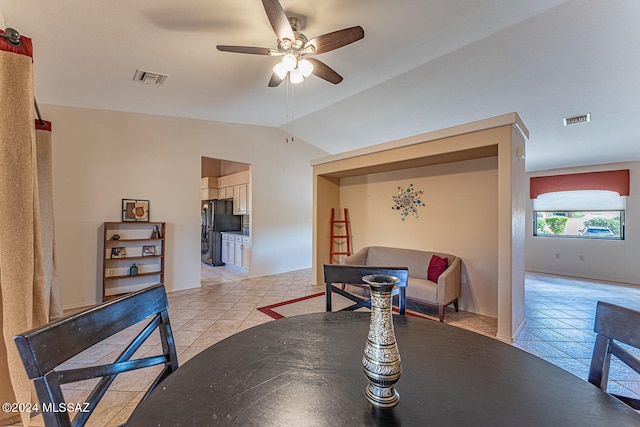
pixel 597 232
pixel 579 224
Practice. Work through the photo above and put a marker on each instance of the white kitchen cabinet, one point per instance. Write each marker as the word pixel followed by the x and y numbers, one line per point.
pixel 249 199
pixel 231 252
pixel 240 199
pixel 225 248
pixel 238 251
pixel 209 194
pixel 228 248
pixel 225 193
pixel 209 182
pixel 246 252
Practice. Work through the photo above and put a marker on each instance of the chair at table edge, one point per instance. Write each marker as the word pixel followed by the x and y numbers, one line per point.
pixel 44 348
pixel 352 274
pixel 614 323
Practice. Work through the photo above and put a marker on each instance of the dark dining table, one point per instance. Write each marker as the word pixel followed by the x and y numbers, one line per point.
pixel 306 371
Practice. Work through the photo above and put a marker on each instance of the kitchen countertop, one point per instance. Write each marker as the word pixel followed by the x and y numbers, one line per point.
pixel 237 233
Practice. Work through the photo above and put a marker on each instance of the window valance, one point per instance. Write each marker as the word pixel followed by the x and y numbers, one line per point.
pixel 617 181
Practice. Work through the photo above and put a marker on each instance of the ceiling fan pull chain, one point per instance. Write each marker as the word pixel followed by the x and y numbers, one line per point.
pixel 287 110
pixel 293 100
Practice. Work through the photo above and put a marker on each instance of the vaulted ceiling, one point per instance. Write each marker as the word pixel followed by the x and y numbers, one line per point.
pixel 423 65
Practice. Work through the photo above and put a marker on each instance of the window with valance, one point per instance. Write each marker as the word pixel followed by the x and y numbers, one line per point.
pixel 586 205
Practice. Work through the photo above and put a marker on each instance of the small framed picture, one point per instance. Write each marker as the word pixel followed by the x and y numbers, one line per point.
pixel 148 250
pixel 135 210
pixel 119 252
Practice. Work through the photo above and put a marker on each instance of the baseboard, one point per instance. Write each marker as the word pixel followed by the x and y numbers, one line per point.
pixel 511 339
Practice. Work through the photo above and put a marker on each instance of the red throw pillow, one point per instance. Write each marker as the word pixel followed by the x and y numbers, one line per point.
pixel 437 266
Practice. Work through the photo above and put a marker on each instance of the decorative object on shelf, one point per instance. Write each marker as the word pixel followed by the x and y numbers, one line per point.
pixel 135 210
pixel 120 252
pixel 148 250
pixel 115 237
pixel 133 270
pixel 156 234
pixel 408 201
pixel 381 359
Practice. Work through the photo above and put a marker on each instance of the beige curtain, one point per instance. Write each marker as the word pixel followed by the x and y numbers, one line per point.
pixel 22 284
pixel 45 192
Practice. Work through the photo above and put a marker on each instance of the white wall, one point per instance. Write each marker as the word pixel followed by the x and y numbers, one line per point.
pixel 101 157
pixel 611 260
pixel 460 218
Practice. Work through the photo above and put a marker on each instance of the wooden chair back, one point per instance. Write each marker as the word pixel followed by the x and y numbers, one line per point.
pixel 615 324
pixel 45 348
pixel 353 274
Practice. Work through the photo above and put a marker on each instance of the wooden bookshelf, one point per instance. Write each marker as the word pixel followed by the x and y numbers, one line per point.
pixel 121 253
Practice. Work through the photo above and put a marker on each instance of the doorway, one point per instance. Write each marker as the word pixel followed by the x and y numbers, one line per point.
pixel 225 220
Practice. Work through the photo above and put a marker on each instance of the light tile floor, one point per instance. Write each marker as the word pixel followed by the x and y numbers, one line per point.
pixel 559 327
pixel 560 313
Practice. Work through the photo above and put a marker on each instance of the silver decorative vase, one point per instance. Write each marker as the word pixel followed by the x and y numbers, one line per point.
pixel 381 359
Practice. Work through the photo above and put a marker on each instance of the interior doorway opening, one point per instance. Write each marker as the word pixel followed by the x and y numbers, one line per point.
pixel 225 220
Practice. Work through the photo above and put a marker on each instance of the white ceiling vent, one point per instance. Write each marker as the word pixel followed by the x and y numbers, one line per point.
pixel 150 78
pixel 574 120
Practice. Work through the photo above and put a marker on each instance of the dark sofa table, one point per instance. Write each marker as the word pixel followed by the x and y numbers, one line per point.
pixel 306 371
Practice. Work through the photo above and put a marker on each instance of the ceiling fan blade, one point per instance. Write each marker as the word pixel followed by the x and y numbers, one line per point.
pixel 275 80
pixel 245 49
pixel 336 39
pixel 278 19
pixel 325 72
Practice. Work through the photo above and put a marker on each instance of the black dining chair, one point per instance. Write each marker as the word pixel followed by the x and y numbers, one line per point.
pixel 615 324
pixel 44 349
pixel 352 275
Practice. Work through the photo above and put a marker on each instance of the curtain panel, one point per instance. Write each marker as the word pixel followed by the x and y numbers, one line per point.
pixel 22 289
pixel 44 153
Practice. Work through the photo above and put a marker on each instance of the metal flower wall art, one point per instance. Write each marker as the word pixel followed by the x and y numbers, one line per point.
pixel 407 201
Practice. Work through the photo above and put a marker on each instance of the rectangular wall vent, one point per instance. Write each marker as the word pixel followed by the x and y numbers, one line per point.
pixel 150 78
pixel 574 120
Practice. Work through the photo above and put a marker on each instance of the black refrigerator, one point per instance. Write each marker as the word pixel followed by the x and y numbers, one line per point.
pixel 217 216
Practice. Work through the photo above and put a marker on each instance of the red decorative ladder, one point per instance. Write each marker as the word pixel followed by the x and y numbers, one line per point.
pixel 342 224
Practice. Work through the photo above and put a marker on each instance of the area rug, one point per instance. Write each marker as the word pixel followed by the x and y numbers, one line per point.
pixel 315 304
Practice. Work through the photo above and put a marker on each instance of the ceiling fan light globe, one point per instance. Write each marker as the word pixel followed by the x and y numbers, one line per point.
pixel 279 70
pixel 289 62
pixel 295 76
pixel 305 67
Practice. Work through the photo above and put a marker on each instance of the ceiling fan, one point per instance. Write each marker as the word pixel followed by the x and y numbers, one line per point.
pixel 294 47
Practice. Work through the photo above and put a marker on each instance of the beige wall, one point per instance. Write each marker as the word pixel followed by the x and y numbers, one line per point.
pixel 100 157
pixel 211 167
pixel 610 260
pixel 460 218
pixel 228 168
pixel 326 195
pixel 220 167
